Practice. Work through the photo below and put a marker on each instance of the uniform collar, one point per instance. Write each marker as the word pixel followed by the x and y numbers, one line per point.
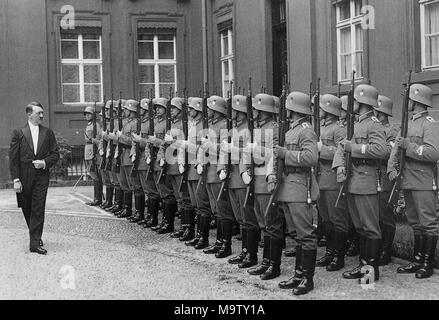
pixel 215 120
pixel 327 122
pixel 198 118
pixel 299 122
pixel 263 122
pixel 177 119
pixel 420 115
pixel 365 116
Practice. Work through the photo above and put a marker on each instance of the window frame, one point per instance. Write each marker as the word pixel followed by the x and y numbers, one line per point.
pixel 156 62
pixel 81 62
pixel 423 4
pixel 228 58
pixel 350 23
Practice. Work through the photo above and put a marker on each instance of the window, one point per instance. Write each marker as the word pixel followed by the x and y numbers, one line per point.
pixel 81 67
pixel 157 64
pixel 430 34
pixel 226 60
pixel 349 39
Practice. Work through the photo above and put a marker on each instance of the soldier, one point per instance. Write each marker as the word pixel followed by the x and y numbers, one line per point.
pixel 387 218
pixel 103 145
pixel 367 148
pixel 300 154
pixel 335 221
pixel 92 160
pixel 118 192
pixel 169 203
pixel 209 155
pixel 266 136
pixel 145 169
pixel 239 179
pixel 419 180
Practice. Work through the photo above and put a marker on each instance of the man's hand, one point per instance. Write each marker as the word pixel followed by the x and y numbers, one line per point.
pixel 348 146
pixel 118 134
pixel 169 138
pixel 279 152
pixel 246 177
pixel 136 137
pixel 402 143
pixel 148 160
pixel 18 187
pixel 272 180
pixel 223 175
pixel 200 169
pixel 320 145
pixel 161 162
pixel 341 174
pixel 101 152
pixel 181 168
pixel 39 164
pixel 112 136
pixel 393 175
pixel 95 141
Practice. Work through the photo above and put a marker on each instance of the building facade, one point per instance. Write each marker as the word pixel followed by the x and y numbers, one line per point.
pixel 69 54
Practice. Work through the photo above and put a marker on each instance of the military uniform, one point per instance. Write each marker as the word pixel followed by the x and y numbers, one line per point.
pixel 419 182
pixel 93 160
pixel 102 149
pixel 368 148
pixel 300 154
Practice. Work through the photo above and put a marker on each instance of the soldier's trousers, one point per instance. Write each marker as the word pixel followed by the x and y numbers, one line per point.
pixel 364 211
pixel 164 188
pixel 222 208
pixel 386 210
pixel 114 177
pixel 303 216
pixel 105 177
pixel 275 224
pixel 246 217
pixel 148 186
pixel 202 198
pixel 183 198
pixel 334 219
pixel 261 203
pixel 91 169
pixel 124 178
pixel 421 211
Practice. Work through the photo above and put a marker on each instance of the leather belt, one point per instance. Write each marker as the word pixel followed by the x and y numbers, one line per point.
pixel 364 162
pixel 294 170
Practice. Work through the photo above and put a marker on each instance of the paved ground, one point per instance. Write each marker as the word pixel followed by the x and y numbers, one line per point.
pixel 93 255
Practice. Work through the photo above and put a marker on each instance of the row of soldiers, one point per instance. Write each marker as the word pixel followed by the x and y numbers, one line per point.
pixel 282 156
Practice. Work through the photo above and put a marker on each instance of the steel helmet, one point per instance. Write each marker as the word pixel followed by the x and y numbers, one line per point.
pixel 239 103
pixel 162 102
pixel 196 103
pixel 218 104
pixel 131 105
pixel 385 105
pixel 144 103
pixel 177 102
pixel 422 94
pixel 264 102
pixel 366 94
pixel 299 102
pixel 331 104
pixel 89 109
pixel 108 104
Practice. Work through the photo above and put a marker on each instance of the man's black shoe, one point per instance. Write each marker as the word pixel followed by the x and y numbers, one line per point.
pixel 39 250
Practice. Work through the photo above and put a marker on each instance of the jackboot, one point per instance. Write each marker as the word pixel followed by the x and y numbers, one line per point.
pixel 275 252
pixel 170 210
pixel 147 214
pixel 195 240
pixel 109 191
pixel 118 201
pixel 97 194
pixel 226 232
pixel 258 270
pixel 251 258
pixel 128 205
pixel 153 210
pixel 160 225
pixel 356 273
pixel 298 273
pixel 218 243
pixel 203 242
pixel 329 255
pixel 418 257
pixel 373 250
pixel 183 226
pixel 139 204
pixel 190 222
pixel 240 257
pixel 353 249
pixel 387 234
pixel 429 251
pixel 340 244
pixel 308 269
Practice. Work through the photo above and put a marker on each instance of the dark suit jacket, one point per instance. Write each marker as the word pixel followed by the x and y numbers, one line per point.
pixel 21 155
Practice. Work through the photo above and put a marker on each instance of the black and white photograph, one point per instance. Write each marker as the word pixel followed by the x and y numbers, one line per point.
pixel 219 155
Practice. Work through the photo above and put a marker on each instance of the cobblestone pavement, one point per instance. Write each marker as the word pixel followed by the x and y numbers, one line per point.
pixel 93 255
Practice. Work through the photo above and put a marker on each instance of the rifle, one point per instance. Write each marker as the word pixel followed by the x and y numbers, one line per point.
pixel 133 172
pixel 104 142
pixel 250 192
pixel 149 175
pixel 162 173
pixel 283 129
pixel 203 177
pixel 183 186
pixel 95 147
pixel 394 194
pixel 225 184
pixel 110 154
pixel 119 145
pixel 340 203
pixel 316 122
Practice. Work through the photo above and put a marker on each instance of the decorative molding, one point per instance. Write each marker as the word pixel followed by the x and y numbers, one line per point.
pixel 224 9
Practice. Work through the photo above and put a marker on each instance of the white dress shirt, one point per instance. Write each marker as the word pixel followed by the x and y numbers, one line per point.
pixel 35 131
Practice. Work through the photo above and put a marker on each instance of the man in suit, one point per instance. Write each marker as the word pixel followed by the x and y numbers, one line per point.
pixel 33 151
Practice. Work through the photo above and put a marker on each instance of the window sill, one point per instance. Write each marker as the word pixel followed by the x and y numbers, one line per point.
pixel 426 76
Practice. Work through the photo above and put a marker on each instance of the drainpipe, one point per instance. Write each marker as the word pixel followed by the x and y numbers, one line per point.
pixel 204 37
